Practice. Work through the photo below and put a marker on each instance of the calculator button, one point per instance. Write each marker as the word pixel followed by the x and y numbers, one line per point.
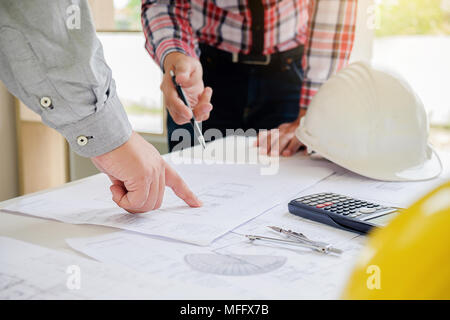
pixel 320 205
pixel 367 210
pixel 306 201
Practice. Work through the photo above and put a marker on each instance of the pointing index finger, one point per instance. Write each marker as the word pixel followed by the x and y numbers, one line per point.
pixel 174 181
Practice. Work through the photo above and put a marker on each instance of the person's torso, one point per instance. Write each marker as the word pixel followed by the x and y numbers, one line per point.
pixel 227 24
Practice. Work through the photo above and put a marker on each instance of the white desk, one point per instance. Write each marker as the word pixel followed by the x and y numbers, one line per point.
pixel 48 233
pixel 44 232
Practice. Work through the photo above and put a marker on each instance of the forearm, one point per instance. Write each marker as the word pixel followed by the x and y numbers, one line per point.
pixel 167 29
pixel 330 37
pixel 51 59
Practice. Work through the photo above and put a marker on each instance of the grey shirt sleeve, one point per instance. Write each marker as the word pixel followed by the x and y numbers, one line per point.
pixel 51 59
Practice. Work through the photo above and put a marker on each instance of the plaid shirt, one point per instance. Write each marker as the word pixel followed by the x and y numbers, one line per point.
pixel 325 27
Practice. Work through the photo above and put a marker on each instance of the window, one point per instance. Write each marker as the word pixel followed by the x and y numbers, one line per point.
pixel 137 76
pixel 127 15
pixel 137 79
pixel 412 37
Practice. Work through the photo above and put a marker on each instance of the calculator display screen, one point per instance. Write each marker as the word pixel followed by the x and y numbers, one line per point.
pixel 383 220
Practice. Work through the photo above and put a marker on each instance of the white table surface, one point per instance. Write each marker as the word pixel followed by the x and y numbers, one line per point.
pixel 52 234
pixel 45 232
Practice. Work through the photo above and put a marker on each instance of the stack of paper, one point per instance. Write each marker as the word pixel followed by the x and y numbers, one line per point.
pixel 32 272
pixel 254 269
pixel 232 195
pixel 242 194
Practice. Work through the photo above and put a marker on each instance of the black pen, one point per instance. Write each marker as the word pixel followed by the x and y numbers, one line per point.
pixel 194 123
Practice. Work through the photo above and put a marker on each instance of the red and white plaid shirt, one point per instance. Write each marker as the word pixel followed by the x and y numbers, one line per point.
pixel 325 27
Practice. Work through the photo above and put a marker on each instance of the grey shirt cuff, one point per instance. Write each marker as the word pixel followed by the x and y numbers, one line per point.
pixel 101 132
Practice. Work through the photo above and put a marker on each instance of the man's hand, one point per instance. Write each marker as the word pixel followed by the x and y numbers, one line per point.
pixel 139 176
pixel 280 141
pixel 188 73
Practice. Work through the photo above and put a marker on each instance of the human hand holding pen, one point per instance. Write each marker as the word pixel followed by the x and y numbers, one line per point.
pixel 194 123
pixel 189 74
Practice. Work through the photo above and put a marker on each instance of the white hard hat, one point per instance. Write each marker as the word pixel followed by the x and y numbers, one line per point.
pixel 372 123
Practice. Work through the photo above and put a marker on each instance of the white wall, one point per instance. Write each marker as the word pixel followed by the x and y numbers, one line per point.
pixel 8 153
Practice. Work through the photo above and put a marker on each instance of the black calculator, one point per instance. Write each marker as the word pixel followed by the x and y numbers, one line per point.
pixel 342 212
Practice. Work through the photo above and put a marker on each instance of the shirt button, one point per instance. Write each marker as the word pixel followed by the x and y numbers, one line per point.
pixel 82 141
pixel 46 103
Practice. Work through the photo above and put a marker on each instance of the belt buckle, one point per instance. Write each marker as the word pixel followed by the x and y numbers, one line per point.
pixel 235 59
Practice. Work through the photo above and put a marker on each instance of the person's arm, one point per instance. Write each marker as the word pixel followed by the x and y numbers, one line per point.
pixel 331 32
pixel 330 36
pixel 171 42
pixel 51 59
pixel 167 29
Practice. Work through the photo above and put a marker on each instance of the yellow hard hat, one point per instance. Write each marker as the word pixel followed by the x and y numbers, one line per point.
pixel 410 257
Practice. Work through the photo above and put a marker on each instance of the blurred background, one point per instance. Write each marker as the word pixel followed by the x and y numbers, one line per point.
pixel 410 37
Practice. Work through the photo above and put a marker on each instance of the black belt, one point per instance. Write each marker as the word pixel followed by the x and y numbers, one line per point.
pixel 276 59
